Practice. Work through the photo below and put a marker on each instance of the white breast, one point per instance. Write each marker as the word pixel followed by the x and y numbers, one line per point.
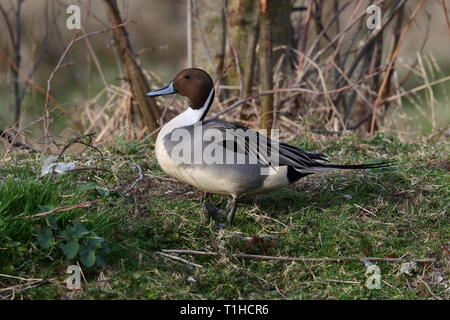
pixel 188 117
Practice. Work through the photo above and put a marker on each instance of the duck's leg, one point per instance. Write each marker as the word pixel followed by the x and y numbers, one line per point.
pixel 217 213
pixel 214 212
pixel 233 206
pixel 205 196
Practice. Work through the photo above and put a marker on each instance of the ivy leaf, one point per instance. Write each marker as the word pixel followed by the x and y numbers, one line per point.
pixel 100 261
pixel 46 208
pixel 79 229
pixel 45 238
pixel 70 249
pixel 105 250
pixel 95 242
pixel 69 236
pixel 102 254
pixel 87 256
pixel 75 232
pixel 52 222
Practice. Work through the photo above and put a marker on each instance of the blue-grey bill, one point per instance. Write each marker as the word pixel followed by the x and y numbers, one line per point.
pixel 163 91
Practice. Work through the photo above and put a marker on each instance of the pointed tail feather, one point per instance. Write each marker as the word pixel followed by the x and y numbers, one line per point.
pixel 383 164
pixel 321 167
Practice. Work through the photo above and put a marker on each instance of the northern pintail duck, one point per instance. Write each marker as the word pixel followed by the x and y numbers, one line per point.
pixel 220 157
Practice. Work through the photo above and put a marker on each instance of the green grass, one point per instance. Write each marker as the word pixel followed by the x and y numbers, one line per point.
pixel 396 212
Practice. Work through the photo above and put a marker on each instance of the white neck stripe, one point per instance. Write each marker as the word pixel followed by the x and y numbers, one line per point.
pixel 189 116
pixel 207 103
pixel 194 115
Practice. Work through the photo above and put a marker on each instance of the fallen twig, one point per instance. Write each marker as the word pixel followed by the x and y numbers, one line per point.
pixel 112 157
pixel 262 257
pixel 343 281
pixel 161 178
pixel 87 169
pixel 23 287
pixel 19 278
pixel 59 209
pixel 179 259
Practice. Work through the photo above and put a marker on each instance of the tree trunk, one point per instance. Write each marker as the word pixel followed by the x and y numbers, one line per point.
pixel 209 35
pixel 266 82
pixel 138 83
pixel 246 111
pixel 282 33
pixel 214 35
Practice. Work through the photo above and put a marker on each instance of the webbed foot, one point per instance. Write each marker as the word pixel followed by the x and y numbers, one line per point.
pixel 214 212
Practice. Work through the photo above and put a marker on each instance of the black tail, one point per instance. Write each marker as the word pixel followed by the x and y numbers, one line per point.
pixel 299 172
pixel 383 164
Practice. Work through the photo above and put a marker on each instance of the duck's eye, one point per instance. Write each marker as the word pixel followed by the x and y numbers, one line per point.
pixel 187 76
